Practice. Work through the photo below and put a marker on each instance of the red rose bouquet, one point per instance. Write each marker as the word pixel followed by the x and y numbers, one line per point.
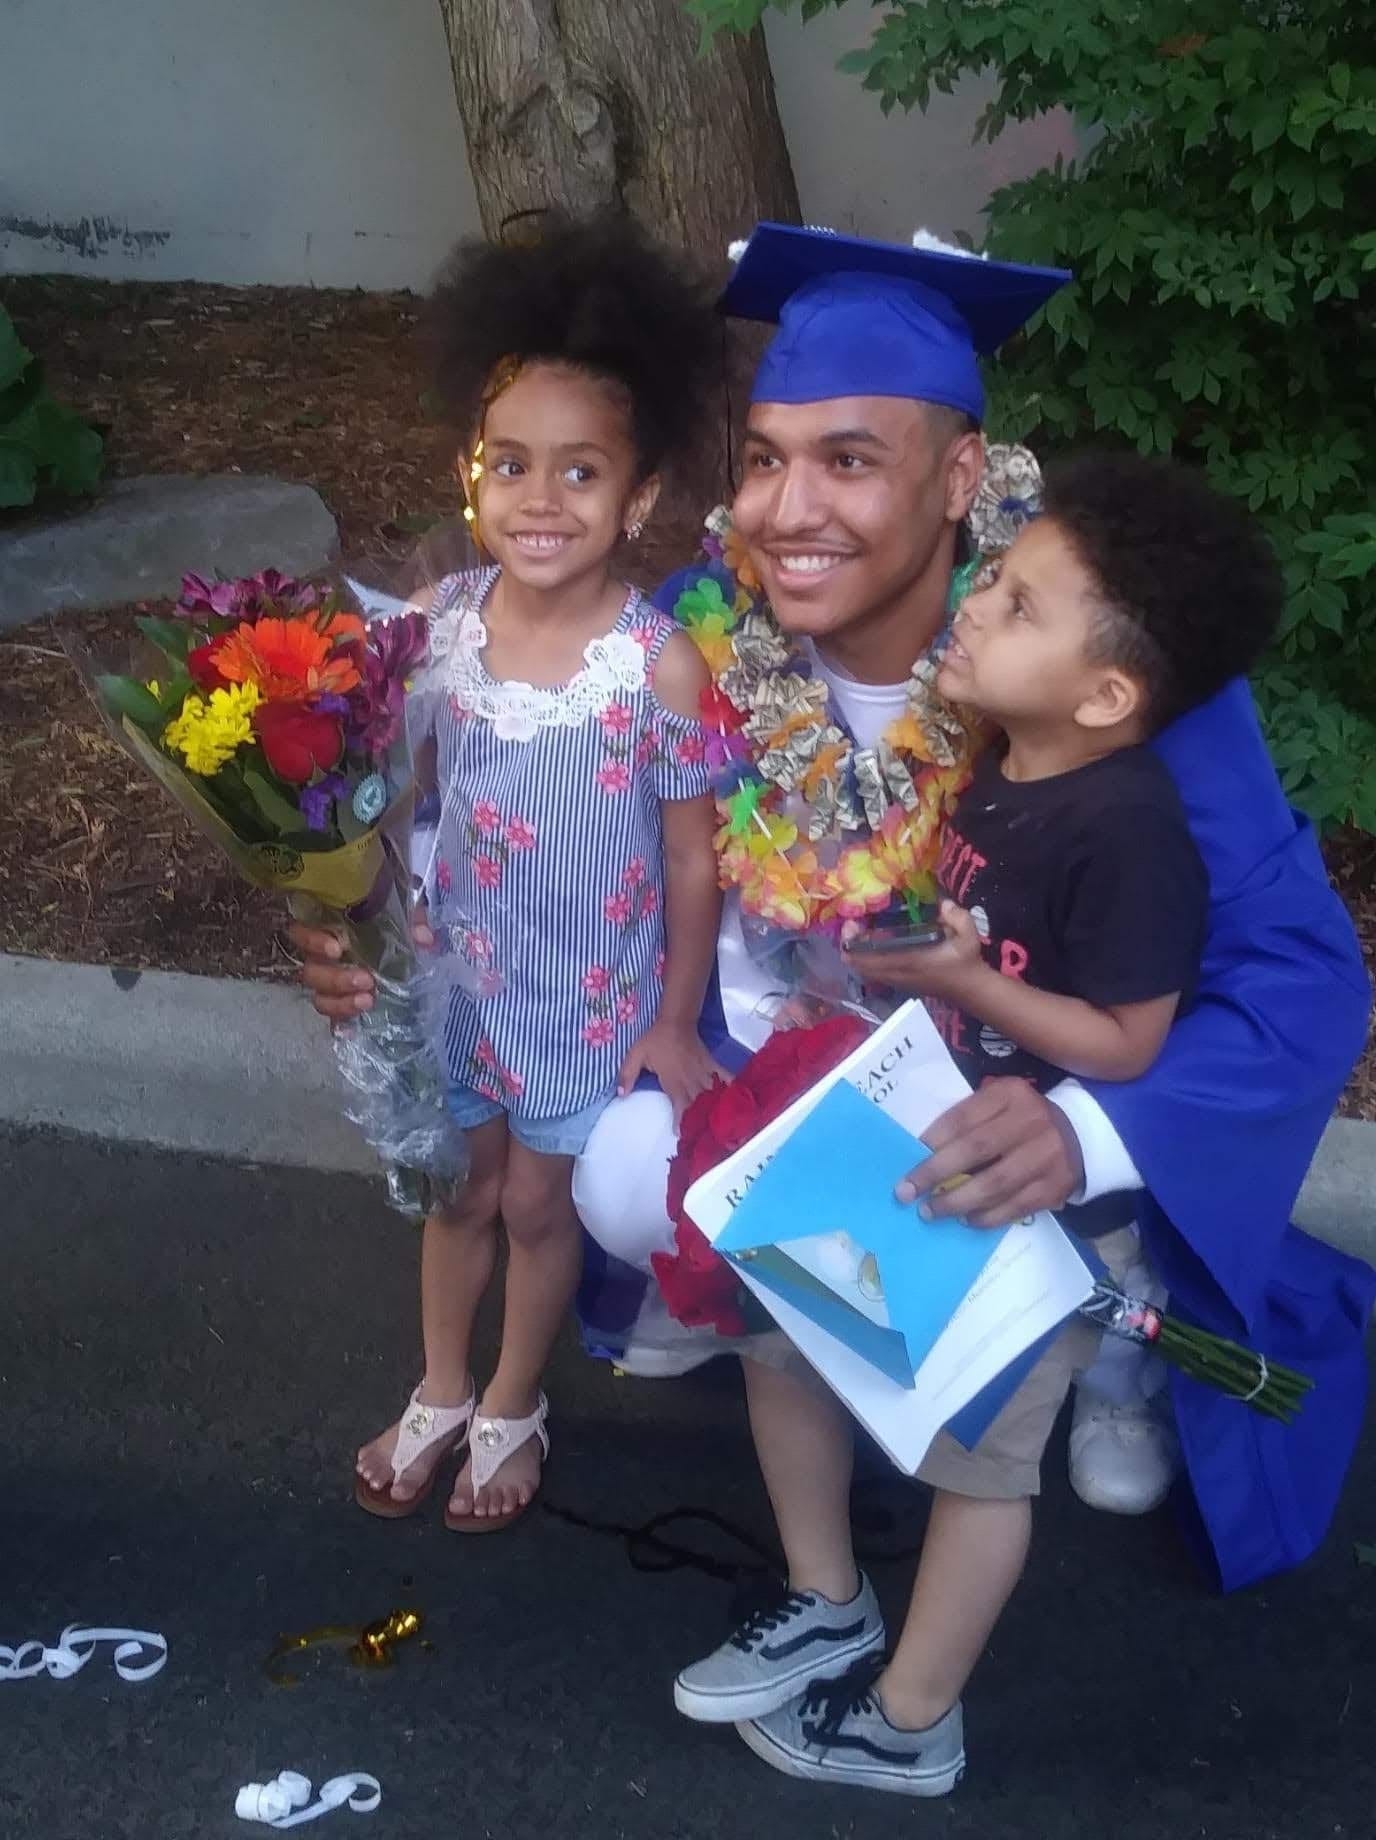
pixel 274 716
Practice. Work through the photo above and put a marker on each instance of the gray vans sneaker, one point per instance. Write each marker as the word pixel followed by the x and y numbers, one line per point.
pixel 837 1733
pixel 777 1652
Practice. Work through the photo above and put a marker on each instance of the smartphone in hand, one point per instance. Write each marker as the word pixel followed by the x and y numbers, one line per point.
pixel 896 933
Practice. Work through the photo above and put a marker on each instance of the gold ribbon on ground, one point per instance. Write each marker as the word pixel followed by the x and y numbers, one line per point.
pixel 371 1644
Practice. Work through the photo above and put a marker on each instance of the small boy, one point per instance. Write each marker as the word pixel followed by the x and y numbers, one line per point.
pixel 1074 896
pixel 1074 915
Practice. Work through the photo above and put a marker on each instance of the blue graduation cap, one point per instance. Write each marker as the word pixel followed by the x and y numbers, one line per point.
pixel 860 318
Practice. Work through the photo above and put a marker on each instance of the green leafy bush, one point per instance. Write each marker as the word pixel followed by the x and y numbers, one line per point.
pixel 1222 229
pixel 44 447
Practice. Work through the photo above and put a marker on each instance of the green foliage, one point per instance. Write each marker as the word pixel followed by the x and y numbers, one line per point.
pixel 127 698
pixel 44 447
pixel 1221 230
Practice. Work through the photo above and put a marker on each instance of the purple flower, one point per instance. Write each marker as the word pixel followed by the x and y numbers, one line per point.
pixel 250 597
pixel 315 801
pixel 721 751
pixel 227 600
pixel 400 644
pixel 395 648
pixel 285 594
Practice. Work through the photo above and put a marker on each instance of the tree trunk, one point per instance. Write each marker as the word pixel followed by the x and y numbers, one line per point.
pixel 586 103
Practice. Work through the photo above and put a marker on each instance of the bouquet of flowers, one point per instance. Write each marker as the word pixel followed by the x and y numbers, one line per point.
pixel 701 1288
pixel 274 717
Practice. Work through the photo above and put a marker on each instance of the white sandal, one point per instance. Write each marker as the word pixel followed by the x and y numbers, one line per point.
pixel 422 1429
pixel 491 1442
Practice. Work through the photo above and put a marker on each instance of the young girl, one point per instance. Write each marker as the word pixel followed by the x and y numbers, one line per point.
pixel 573 867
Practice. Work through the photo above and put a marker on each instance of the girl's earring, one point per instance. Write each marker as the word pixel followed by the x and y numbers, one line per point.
pixel 635 531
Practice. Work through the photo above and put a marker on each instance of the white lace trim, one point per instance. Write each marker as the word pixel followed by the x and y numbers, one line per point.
pixel 613 665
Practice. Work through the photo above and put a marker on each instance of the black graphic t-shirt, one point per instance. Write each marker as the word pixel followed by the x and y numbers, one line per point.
pixel 1087 884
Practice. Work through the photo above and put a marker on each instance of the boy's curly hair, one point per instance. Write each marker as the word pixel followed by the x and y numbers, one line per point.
pixel 597 294
pixel 1192 590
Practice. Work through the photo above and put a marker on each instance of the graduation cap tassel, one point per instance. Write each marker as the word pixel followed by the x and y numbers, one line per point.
pixel 1277 1392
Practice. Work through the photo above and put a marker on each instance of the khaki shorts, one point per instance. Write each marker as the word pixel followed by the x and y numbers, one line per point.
pixel 1006 1463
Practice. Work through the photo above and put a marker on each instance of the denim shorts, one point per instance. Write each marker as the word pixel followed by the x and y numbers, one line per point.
pixel 564 1136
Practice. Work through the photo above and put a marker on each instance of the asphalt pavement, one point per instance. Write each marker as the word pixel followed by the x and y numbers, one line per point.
pixel 193 1349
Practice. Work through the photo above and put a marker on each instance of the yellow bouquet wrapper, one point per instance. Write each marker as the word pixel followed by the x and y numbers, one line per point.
pixel 338 878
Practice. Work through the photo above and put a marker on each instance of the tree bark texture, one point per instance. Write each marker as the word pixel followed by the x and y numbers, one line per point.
pixel 581 104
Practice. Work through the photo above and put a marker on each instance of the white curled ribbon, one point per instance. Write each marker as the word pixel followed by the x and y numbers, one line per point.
pixel 283 1802
pixel 1263 1375
pixel 139 1654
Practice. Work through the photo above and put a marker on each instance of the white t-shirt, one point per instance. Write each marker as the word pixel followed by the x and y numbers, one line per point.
pixel 867 710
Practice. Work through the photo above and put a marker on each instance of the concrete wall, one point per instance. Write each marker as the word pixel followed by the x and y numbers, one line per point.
pixel 317 141
pixel 876 175
pixel 291 141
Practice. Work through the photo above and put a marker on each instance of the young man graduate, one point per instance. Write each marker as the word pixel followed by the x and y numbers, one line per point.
pixel 861 460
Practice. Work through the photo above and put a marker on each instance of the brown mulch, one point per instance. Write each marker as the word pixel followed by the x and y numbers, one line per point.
pixel 328 387
pixel 324 387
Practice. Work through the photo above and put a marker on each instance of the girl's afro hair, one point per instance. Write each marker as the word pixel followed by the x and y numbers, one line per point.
pixel 597 294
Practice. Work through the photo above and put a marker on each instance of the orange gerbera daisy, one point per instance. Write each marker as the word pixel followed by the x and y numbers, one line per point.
pixel 345 629
pixel 288 660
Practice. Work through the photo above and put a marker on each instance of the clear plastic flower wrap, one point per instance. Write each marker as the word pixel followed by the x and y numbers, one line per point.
pixel 274 715
pixel 389 1057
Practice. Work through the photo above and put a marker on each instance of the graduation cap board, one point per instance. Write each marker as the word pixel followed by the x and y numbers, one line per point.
pixel 862 318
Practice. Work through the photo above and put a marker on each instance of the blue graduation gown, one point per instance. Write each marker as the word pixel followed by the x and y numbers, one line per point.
pixel 1223 1128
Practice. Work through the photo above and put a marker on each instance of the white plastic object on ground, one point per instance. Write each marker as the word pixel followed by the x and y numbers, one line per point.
pixel 286 1800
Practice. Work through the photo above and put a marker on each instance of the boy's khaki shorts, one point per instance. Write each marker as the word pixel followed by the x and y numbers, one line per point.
pixel 1006 1463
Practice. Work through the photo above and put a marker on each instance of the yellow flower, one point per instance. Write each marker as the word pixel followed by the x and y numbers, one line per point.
pixel 866 882
pixel 733 858
pixel 209 731
pixel 769 835
pixel 778 890
pixel 718 653
pixel 922 887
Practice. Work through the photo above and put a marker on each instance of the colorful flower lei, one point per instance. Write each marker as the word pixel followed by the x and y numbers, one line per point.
pixel 815 830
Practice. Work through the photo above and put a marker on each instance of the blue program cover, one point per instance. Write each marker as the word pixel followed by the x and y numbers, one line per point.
pixel 834 1177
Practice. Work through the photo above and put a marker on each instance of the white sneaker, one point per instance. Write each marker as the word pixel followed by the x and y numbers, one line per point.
pixel 1123 1459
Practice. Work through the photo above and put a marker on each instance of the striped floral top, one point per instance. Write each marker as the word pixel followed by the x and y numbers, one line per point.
pixel 548 879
